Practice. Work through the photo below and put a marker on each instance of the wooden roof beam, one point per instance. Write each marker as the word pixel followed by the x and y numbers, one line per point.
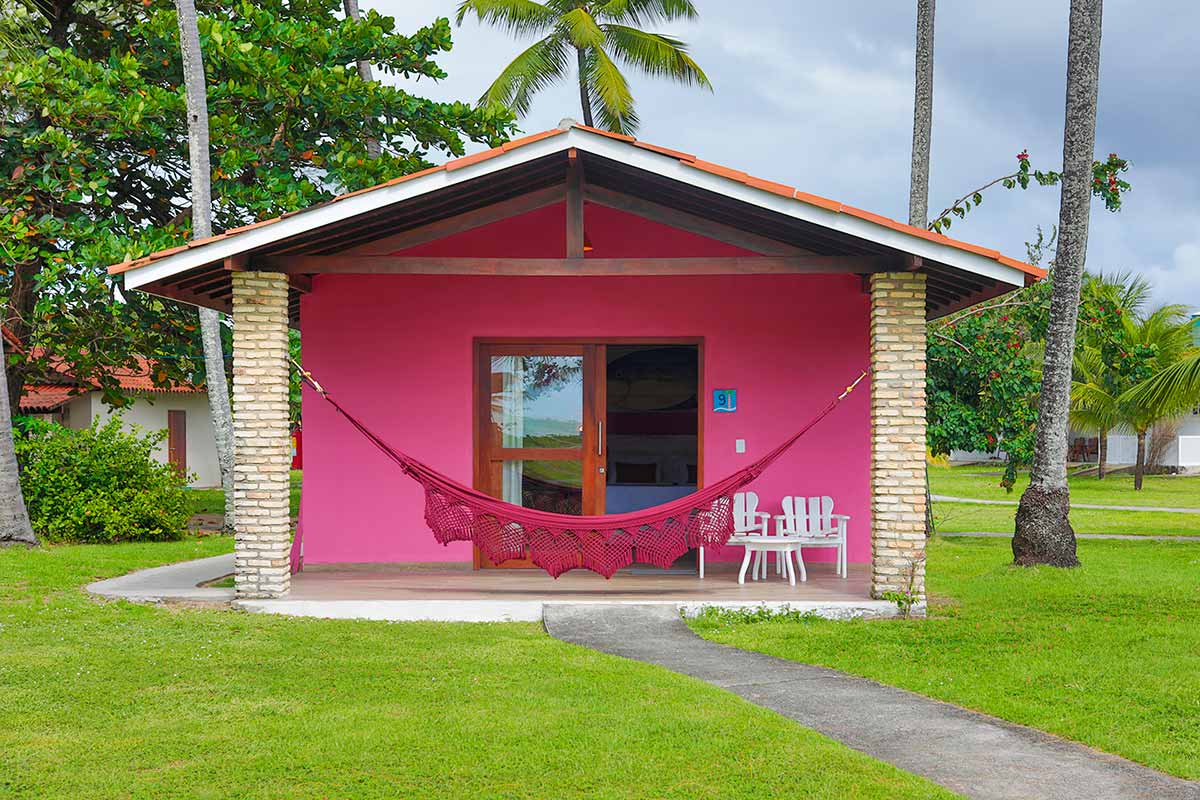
pixel 418 265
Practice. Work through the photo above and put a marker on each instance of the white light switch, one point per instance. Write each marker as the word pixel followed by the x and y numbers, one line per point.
pixel 739 445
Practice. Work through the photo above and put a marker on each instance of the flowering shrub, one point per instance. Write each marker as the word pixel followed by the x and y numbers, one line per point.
pixel 99 484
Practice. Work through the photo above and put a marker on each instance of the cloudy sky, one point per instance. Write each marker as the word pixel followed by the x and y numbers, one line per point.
pixel 819 95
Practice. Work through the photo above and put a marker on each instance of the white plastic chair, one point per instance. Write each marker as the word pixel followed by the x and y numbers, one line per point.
pixel 812 522
pixel 751 532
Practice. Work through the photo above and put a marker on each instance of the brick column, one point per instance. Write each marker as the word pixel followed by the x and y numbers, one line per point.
pixel 262 449
pixel 898 433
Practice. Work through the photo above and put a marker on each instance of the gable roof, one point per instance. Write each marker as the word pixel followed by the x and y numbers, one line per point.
pixel 620 154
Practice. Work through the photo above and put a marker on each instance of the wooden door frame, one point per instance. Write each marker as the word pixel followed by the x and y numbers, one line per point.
pixel 570 345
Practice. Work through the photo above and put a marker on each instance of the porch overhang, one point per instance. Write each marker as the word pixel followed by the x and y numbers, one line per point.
pixel 786 230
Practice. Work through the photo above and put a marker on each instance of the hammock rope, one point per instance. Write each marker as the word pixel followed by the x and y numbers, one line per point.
pixel 558 543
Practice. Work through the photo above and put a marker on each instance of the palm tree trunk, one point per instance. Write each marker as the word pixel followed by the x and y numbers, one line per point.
pixel 585 99
pixel 918 187
pixel 14 518
pixel 1101 455
pixel 1139 465
pixel 1043 527
pixel 364 71
pixel 201 170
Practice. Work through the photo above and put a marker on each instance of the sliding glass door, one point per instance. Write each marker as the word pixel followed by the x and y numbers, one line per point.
pixel 540 428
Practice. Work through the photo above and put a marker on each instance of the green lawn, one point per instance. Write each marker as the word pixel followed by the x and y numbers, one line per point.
pixel 212 501
pixel 1107 654
pixel 117 700
pixel 983 483
pixel 953 518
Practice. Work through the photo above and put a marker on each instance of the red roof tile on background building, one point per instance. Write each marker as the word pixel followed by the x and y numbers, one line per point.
pixel 40 398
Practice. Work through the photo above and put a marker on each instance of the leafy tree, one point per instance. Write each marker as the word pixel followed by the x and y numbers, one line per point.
pixel 94 162
pixel 599 33
pixel 982 383
pixel 1043 528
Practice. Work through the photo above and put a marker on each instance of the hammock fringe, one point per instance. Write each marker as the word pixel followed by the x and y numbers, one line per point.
pixel 558 543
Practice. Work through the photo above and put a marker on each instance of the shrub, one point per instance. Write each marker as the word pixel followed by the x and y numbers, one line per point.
pixel 99 484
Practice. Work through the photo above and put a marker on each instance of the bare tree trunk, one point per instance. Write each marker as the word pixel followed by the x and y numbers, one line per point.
pixel 201 171
pixel 364 71
pixel 918 187
pixel 1101 455
pixel 1043 527
pixel 14 518
pixel 1139 465
pixel 585 100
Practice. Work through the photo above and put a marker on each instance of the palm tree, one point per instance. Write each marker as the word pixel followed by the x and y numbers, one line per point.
pixel 1174 389
pixel 201 169
pixel 918 185
pixel 1095 388
pixel 1095 407
pixel 918 188
pixel 601 33
pixel 1166 337
pixel 1043 532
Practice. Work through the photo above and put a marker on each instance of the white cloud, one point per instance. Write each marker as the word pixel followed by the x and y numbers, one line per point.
pixel 820 96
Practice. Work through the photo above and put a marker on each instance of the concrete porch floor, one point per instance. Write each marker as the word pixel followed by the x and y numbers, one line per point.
pixel 458 581
pixel 456 592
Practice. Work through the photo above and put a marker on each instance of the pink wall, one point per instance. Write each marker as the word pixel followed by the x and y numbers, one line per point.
pixel 396 351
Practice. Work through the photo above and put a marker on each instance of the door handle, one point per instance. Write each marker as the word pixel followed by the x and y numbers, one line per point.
pixel 599 437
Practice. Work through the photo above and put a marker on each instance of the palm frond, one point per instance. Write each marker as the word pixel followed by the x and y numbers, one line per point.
pixel 580 29
pixel 539 65
pixel 655 54
pixel 645 12
pixel 613 99
pixel 1125 290
pixel 516 16
pixel 1172 391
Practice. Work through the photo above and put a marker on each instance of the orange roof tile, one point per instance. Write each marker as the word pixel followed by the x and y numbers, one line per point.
pixel 666 151
pixel 46 397
pixel 684 158
pixel 620 137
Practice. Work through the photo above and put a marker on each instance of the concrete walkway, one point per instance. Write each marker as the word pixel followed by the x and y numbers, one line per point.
pixel 973 754
pixel 1125 537
pixel 174 582
pixel 944 498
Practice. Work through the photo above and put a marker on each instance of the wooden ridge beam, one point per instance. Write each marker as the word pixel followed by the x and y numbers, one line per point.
pixel 417 265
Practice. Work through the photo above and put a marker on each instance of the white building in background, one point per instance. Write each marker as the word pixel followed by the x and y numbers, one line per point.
pixel 181 411
pixel 184 415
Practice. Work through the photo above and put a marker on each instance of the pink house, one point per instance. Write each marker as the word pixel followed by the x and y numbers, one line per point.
pixel 557 322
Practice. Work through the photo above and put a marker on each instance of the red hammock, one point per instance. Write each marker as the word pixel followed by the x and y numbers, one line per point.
pixel 560 542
